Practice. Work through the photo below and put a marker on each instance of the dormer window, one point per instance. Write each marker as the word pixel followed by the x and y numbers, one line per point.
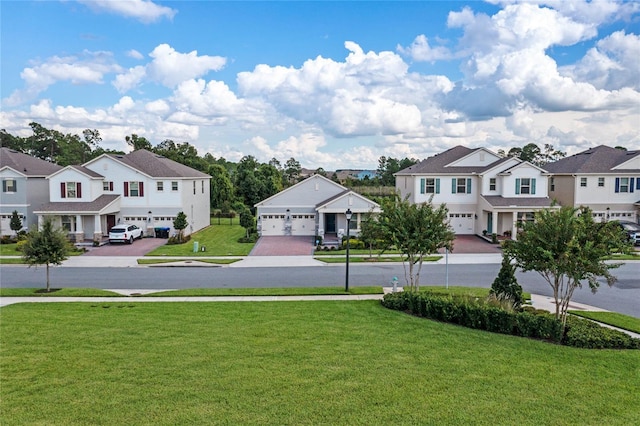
pixel 70 190
pixel 525 186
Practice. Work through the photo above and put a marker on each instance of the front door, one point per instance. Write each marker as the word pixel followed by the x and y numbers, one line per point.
pixel 489 223
pixel 330 222
pixel 111 222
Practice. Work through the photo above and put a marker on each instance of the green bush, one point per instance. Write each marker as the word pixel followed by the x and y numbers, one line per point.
pixel 175 239
pixel 252 238
pixel 583 333
pixel 20 244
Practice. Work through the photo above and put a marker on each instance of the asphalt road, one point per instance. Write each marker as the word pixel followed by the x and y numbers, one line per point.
pixel 623 297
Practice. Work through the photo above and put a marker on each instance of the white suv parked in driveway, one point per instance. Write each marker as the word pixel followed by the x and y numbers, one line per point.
pixel 124 233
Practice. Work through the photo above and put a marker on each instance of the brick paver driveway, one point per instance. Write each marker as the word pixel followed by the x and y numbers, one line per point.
pixel 138 248
pixel 283 246
pixel 473 244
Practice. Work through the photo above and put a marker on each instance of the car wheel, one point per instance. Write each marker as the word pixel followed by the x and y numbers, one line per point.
pixel 131 240
pixel 141 235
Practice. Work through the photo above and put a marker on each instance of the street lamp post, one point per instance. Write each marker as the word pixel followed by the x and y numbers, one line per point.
pixel 346 281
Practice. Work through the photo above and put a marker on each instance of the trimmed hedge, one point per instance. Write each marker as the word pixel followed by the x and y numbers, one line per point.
pixel 475 313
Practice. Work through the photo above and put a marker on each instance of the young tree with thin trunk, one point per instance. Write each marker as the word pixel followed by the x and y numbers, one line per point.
pixel 567 247
pixel 179 224
pixel 417 230
pixel 15 223
pixel 46 246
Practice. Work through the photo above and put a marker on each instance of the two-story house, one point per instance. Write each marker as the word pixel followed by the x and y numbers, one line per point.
pixel 605 179
pixel 24 187
pixel 141 188
pixel 485 193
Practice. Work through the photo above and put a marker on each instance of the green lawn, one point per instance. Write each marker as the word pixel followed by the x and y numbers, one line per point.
pixel 294 363
pixel 612 318
pixel 292 291
pixel 62 292
pixel 220 240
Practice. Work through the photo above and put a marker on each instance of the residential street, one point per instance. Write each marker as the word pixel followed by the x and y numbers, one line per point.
pixel 623 297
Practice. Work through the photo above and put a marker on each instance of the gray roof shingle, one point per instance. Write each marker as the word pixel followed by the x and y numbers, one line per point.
pixel 92 207
pixel 499 201
pixel 438 163
pixel 26 164
pixel 601 159
pixel 158 166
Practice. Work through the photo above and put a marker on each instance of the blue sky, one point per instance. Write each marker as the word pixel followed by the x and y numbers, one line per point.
pixel 332 84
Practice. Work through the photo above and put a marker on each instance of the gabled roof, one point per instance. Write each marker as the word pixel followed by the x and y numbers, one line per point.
pixel 26 164
pixel 302 182
pixel 601 159
pixel 522 164
pixel 343 194
pixel 84 170
pixel 154 165
pixel 440 163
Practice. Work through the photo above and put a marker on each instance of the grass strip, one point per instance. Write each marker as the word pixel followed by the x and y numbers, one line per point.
pixel 293 291
pixel 221 261
pixel 294 363
pixel 56 292
pixel 360 259
pixel 615 319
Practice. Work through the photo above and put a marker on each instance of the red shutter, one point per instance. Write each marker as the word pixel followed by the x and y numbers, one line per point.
pixel 110 186
pixel 79 190
pixel 63 190
pixel 141 187
pixel 126 189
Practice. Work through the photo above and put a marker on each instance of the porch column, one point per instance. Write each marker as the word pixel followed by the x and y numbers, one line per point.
pixel 97 228
pixel 79 228
pixel 514 226
pixel 40 221
pixel 494 222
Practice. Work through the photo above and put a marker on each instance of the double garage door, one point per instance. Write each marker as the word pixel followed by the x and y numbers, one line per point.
pixel 301 224
pixel 461 223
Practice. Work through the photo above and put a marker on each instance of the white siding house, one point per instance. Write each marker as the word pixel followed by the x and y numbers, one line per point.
pixel 315 206
pixel 484 192
pixel 142 188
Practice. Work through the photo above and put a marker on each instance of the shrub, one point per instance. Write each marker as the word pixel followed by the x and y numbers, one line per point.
pixel 20 245
pixel 252 238
pixel 175 239
pixel 583 333
pixel 505 286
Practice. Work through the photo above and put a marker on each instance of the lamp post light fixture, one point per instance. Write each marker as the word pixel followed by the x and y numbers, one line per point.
pixel 348 214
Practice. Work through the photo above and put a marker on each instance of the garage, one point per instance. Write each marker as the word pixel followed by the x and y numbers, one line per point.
pixel 461 223
pixel 272 224
pixel 303 224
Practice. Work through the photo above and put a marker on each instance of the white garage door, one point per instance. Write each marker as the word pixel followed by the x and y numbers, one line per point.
pixel 272 224
pixel 303 224
pixel 461 223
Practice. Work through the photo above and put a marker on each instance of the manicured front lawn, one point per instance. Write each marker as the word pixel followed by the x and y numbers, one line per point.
pixel 612 318
pixel 293 291
pixel 219 240
pixel 62 292
pixel 294 363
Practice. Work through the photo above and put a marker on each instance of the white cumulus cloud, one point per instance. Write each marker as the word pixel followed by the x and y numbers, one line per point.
pixel 143 10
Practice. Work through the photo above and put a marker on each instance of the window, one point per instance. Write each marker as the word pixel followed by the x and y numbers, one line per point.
pixel 353 223
pixel 9 185
pixel 429 186
pixel 107 186
pixel 134 189
pixel 70 190
pixel 600 182
pixel 622 184
pixel 194 187
pixel 492 184
pixel 461 186
pixel 202 184
pixel 174 185
pixel 552 184
pixel 69 223
pixel 160 186
pixel 583 182
pixel 525 186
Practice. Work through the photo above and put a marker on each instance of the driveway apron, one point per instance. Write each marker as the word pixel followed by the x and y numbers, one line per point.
pixel 283 246
pixel 138 248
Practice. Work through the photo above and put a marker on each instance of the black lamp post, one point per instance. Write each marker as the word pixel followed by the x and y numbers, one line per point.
pixel 346 281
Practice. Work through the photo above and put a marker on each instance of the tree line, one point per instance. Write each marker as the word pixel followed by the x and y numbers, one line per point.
pixel 233 185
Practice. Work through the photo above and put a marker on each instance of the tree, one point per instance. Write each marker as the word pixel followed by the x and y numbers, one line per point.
pixel 180 223
pixel 416 230
pixel 506 286
pixel 15 223
pixel 221 186
pixel 370 231
pixel 247 220
pixel 138 142
pixel 46 246
pixel 292 170
pixel 566 247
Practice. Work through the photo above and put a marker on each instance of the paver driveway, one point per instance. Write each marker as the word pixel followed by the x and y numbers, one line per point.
pixel 138 248
pixel 283 246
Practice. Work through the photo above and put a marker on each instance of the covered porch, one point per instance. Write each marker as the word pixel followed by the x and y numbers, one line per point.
pixel 502 215
pixel 82 220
